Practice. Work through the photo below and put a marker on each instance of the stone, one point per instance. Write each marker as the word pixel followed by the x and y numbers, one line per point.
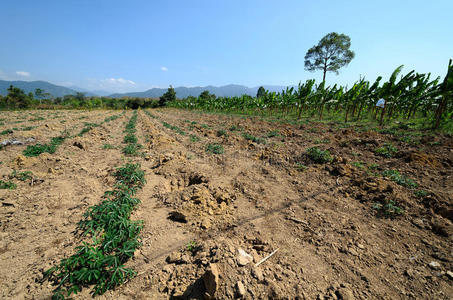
pixel 167 269
pixel 205 224
pixel 80 144
pixel 174 257
pixel 409 273
pixel 450 274
pixel 344 294
pixel 258 274
pixel 360 246
pixel 240 289
pixel 178 216
pixel 211 280
pixel 434 265
pixel 243 258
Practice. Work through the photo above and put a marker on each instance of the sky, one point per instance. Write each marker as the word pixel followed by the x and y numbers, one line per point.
pixel 123 46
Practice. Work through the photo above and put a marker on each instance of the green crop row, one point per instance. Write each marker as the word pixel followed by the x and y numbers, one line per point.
pixel 114 239
pixel 130 139
pixel 37 149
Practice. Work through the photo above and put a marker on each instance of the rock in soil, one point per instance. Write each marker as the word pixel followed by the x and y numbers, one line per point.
pixel 211 280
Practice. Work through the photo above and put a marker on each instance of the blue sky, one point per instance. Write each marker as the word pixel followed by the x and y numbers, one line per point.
pixel 122 46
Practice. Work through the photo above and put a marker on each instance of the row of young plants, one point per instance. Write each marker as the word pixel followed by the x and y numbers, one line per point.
pixel 22 176
pixel 132 146
pixel 110 238
pixel 37 149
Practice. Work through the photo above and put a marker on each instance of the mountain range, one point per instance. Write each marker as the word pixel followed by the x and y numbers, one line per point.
pixel 181 92
pixel 31 86
pixel 230 90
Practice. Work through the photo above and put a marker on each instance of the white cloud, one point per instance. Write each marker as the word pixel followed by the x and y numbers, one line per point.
pixel 23 73
pixel 118 81
pixel 165 69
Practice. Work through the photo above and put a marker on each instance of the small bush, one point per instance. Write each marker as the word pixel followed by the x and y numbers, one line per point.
pixel 273 133
pixel 254 139
pixel 132 149
pixel 22 176
pixel 319 141
pixel 108 146
pixel 7 131
pixel 395 176
pixel 194 138
pixel 319 156
pixel 222 133
pixel 130 139
pixel 388 209
pixel 388 150
pixel 7 185
pixel 421 194
pixel 214 148
pixel 235 128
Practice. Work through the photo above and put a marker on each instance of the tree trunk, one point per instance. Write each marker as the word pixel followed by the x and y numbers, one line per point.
pixel 382 114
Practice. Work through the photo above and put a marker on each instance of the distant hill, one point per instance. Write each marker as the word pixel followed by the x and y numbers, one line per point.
pixel 230 90
pixel 88 93
pixel 31 86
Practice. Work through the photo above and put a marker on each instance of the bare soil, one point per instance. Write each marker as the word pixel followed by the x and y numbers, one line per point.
pixel 211 218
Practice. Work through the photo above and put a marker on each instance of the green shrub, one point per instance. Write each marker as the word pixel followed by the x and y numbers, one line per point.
pixel 222 133
pixel 319 156
pixel 22 176
pixel 254 139
pixel 388 209
pixel 7 185
pixel 194 138
pixel 214 148
pixel 388 150
pixel 395 176
pixel 130 139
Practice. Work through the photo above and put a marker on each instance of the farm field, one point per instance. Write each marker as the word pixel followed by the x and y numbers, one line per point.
pixel 339 213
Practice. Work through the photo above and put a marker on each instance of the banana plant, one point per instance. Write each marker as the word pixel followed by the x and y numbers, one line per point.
pixel 446 89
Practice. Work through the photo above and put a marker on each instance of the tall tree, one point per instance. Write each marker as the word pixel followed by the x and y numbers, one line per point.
pixel 331 54
pixel 170 95
pixel 17 98
pixel 261 92
pixel 39 94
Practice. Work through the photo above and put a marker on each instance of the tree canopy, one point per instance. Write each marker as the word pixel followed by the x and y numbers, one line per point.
pixel 170 95
pixel 331 54
pixel 261 92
